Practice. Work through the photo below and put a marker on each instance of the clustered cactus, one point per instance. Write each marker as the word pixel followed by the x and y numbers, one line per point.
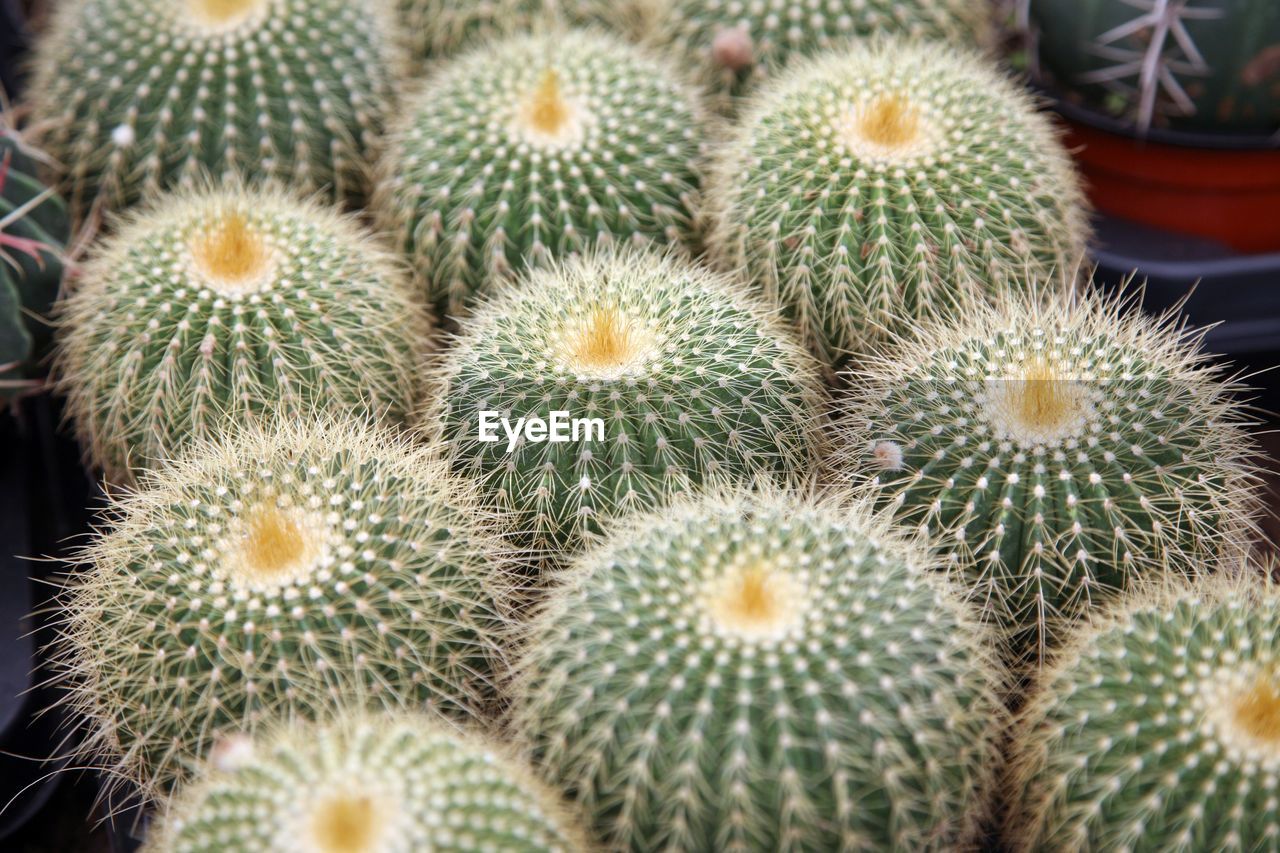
pixel 737 44
pixel 760 672
pixel 693 382
pixel 1057 450
pixel 33 233
pixel 400 784
pixel 292 90
pixel 864 190
pixel 277 572
pixel 472 479
pixel 232 303
pixel 1157 729
pixel 535 148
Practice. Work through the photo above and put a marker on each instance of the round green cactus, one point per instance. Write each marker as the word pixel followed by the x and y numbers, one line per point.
pixel 440 28
pixel 736 44
pixel 761 672
pixel 1056 451
pixel 275 573
pixel 146 95
pixel 33 232
pixel 233 304
pixel 537 148
pixel 690 380
pixel 1157 729
pixel 867 188
pixel 357 784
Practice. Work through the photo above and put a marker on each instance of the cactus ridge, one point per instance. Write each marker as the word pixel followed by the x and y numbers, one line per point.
pixel 1057 450
pixel 277 572
pixel 695 383
pixel 535 148
pixel 232 304
pixel 761 672
pixel 890 182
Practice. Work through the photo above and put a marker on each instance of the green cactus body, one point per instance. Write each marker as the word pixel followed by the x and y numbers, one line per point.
pixel 1209 65
pixel 737 44
pixel 693 383
pixel 536 148
pixel 746 673
pixel 277 573
pixel 868 188
pixel 33 232
pixel 233 304
pixel 394 784
pixel 1158 729
pixel 1056 453
pixel 147 95
pixel 441 28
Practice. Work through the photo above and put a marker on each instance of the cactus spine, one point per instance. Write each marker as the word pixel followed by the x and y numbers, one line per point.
pixel 867 188
pixel 1057 452
pixel 692 380
pixel 760 672
pixel 396 783
pixel 230 303
pixel 292 90
pixel 1158 728
pixel 536 148
pixel 274 574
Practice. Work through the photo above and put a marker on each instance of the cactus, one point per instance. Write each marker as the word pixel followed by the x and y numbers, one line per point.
pixel 274 573
pixel 33 232
pixel 1209 65
pixel 1158 728
pixel 233 303
pixel 736 45
pixel 535 148
pixel 396 783
pixel 871 187
pixel 441 28
pixel 1056 451
pixel 147 95
pixel 761 672
pixel 691 379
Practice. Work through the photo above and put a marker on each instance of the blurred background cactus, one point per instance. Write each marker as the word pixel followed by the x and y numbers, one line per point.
pixel 227 304
pixel 295 91
pixel 692 380
pixel 536 148
pixel 1157 729
pixel 362 783
pixel 34 229
pixel 1208 65
pixel 761 672
pixel 272 574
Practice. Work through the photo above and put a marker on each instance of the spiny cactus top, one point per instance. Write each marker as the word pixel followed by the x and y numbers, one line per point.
pixel 539 147
pixel 228 303
pixel 439 28
pixel 743 673
pixel 690 381
pixel 145 95
pixel 735 44
pixel 1055 451
pixel 278 572
pixel 1158 729
pixel 33 231
pixel 365 784
pixel 869 187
